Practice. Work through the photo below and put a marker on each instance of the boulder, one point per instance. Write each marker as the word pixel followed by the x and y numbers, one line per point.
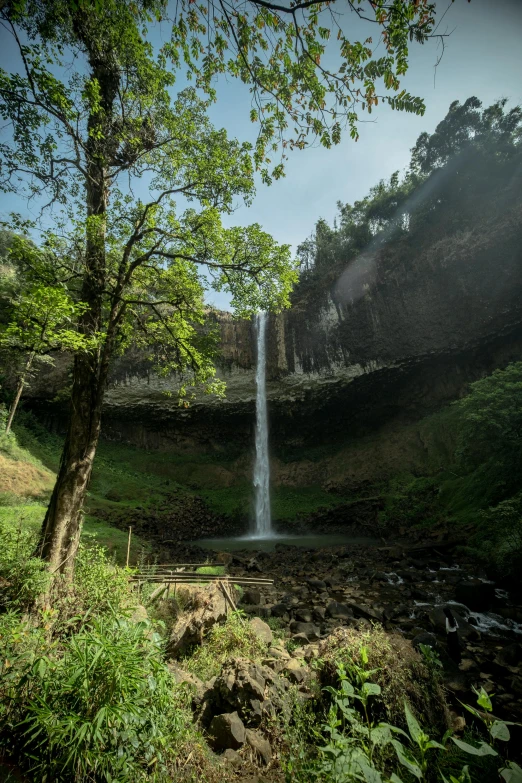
pixel 227 731
pixel 316 584
pixel 139 614
pixel 181 676
pixel 507 658
pixel 260 745
pixel 261 630
pixel 366 612
pixel 301 639
pixel 338 611
pixel 304 615
pixel 232 757
pixel 438 620
pixel 279 610
pixel 310 630
pixel 249 688
pixel 253 597
pixel 207 606
pixel 426 638
pixel 476 595
pixel 295 672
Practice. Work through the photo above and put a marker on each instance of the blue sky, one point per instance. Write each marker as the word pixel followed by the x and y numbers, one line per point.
pixel 482 57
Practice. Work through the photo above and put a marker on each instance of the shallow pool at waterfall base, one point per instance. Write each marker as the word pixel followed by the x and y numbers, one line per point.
pixel 269 544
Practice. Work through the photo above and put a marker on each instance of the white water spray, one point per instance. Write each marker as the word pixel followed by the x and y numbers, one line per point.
pixel 263 527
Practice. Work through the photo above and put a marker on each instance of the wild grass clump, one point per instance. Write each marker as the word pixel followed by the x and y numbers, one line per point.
pixel 234 638
pixel 218 570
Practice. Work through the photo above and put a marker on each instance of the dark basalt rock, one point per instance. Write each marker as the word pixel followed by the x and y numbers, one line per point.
pixel 476 595
pixel 227 731
pixel 338 611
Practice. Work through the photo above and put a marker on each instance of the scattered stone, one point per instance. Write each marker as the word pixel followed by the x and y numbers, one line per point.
pixel 295 672
pixel 260 745
pixel 261 630
pixel 339 611
pixel 227 731
pixel 310 630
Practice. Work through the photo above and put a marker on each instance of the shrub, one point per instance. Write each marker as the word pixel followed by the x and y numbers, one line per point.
pixel 22 577
pixel 499 536
pixel 233 638
pixel 100 585
pixel 104 710
pixel 399 671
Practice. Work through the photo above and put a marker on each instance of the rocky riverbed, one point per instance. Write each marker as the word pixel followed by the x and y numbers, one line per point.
pixel 326 599
pixel 317 591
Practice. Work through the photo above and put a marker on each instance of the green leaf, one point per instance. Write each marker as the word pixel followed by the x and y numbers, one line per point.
pixel 347 688
pixel 512 773
pixel 483 749
pixel 499 731
pixel 371 688
pixel 484 700
pixel 413 725
pixel 407 760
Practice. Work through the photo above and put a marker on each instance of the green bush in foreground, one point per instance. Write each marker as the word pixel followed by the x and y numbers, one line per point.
pixel 22 576
pixel 102 708
pixel 352 744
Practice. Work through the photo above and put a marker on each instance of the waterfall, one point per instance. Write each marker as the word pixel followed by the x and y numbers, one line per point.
pixel 263 522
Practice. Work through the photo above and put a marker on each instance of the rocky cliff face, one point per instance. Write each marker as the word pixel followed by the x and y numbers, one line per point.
pixel 402 331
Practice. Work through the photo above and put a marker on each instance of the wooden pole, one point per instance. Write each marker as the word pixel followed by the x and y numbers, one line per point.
pixel 128 545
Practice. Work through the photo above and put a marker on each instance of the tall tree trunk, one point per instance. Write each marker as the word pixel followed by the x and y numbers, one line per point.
pixel 61 528
pixel 19 390
pixel 62 524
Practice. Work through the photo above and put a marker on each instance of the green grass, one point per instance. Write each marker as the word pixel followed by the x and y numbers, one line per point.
pixel 287 502
pixel 212 570
pixel 233 638
pixel 30 517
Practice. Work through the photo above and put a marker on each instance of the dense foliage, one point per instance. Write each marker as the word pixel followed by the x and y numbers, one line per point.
pixel 451 179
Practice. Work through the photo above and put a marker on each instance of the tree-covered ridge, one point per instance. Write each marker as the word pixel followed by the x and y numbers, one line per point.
pixel 452 175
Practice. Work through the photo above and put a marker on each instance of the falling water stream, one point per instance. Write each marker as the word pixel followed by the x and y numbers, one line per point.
pixel 263 521
pixel 262 536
